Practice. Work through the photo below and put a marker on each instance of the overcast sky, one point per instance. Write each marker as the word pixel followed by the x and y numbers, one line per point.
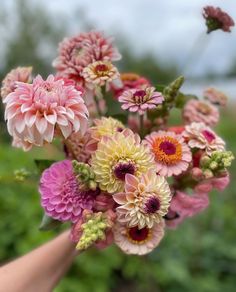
pixel 167 28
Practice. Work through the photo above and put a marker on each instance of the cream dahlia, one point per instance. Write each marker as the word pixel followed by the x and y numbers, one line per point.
pixel 140 100
pixel 172 154
pixel 133 240
pixel 145 200
pixel 201 111
pixel 215 96
pixel 118 155
pixel 200 136
pixel 36 112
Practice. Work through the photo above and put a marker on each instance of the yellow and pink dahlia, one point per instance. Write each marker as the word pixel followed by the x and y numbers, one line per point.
pixel 117 155
pixel 145 200
pixel 172 154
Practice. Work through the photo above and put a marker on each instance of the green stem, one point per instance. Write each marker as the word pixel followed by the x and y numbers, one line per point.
pixel 141 121
pixel 97 106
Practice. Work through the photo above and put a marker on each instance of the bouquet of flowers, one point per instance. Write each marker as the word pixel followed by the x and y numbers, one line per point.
pixel 128 173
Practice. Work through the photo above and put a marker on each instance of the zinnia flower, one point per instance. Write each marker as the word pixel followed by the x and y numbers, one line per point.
pixel 145 200
pixel 118 155
pixel 217 19
pixel 140 100
pixel 202 137
pixel 100 73
pixel 78 52
pixel 172 155
pixel 200 111
pixel 215 96
pixel 61 196
pixel 133 240
pixel 35 112
pixel 21 74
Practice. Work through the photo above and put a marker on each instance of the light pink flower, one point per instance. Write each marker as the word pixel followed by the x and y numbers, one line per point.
pixel 18 143
pixel 61 196
pixel 215 96
pixel 172 154
pixel 36 112
pixel 138 241
pixel 21 74
pixel 103 202
pixel 183 206
pixel 219 183
pixel 200 136
pixel 140 100
pixel 200 111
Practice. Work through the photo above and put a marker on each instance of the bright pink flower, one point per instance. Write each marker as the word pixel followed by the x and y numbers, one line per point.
pixel 61 196
pixel 183 206
pixel 36 112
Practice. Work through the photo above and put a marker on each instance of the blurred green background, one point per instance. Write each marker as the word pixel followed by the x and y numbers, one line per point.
pixel 199 256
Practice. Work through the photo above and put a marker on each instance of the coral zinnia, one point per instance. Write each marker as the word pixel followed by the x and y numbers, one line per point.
pixel 145 200
pixel 133 240
pixel 118 155
pixel 172 155
pixel 202 137
pixel 34 112
pixel 140 100
pixel 61 196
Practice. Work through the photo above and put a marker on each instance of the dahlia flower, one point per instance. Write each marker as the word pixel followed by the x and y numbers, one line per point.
pixel 200 136
pixel 100 73
pixel 200 111
pixel 145 200
pixel 215 96
pixel 18 143
pixel 21 74
pixel 217 19
pixel 133 240
pixel 78 52
pixel 118 155
pixel 61 196
pixel 36 112
pixel 172 154
pixel 140 100
pixel 183 206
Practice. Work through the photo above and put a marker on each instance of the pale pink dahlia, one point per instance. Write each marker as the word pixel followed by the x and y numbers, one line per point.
pixel 21 74
pixel 61 196
pixel 201 111
pixel 215 96
pixel 200 136
pixel 140 100
pixel 145 200
pixel 172 154
pixel 78 52
pixel 217 19
pixel 36 112
pixel 183 206
pixel 133 240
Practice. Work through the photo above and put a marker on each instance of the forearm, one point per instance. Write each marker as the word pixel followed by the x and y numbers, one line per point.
pixel 41 269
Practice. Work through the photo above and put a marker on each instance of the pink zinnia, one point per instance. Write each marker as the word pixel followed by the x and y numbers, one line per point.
pixel 217 19
pixel 36 112
pixel 78 52
pixel 61 196
pixel 201 111
pixel 215 96
pixel 140 100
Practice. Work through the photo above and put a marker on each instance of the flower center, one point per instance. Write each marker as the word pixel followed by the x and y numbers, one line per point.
pixel 139 96
pixel 101 69
pixel 167 150
pixel 208 135
pixel 119 129
pixel 138 236
pixel 122 168
pixel 152 205
pixel 204 108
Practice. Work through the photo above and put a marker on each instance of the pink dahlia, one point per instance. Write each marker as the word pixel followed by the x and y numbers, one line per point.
pixel 140 100
pixel 78 52
pixel 61 196
pixel 172 154
pixel 183 206
pixel 202 137
pixel 217 19
pixel 21 74
pixel 36 112
pixel 133 240
pixel 200 111
pixel 215 96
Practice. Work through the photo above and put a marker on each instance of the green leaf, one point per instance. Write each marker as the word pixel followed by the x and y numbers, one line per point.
pixel 48 223
pixel 160 87
pixel 42 164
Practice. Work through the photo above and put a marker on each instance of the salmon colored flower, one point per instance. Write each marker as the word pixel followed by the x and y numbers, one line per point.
pixel 215 96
